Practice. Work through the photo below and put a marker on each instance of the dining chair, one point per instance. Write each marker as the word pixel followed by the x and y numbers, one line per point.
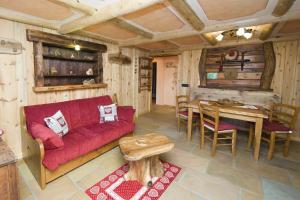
pixel 209 119
pixel 182 102
pixel 278 127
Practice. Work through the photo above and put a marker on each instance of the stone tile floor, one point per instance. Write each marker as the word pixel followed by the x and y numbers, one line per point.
pixel 203 177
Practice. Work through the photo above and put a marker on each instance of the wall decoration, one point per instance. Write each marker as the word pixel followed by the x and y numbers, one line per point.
pixel 9 46
pixel 232 67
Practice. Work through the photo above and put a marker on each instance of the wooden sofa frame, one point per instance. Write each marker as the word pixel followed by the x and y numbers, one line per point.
pixel 33 155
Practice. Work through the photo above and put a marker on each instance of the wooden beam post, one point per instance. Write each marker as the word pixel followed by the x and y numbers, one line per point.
pixel 95 37
pixel 266 31
pixel 209 38
pixel 76 5
pixel 270 63
pixel 202 69
pixel 125 25
pixel 187 13
pixel 38 64
pixel 282 7
pixel 108 12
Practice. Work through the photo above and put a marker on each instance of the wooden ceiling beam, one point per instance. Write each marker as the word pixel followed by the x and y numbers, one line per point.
pixel 282 7
pixel 187 13
pixel 160 37
pixel 108 12
pixel 95 37
pixel 125 25
pixel 76 5
pixel 209 38
pixel 266 31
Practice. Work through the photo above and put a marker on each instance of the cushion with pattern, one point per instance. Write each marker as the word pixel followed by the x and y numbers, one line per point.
pixel 57 123
pixel 108 113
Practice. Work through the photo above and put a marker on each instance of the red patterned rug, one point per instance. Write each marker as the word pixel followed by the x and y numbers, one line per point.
pixel 114 187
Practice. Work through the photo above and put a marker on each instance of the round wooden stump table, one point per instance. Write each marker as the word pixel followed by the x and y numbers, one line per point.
pixel 142 153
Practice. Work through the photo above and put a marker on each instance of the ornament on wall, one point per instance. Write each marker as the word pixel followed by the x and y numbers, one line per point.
pixel 89 72
pixel 9 46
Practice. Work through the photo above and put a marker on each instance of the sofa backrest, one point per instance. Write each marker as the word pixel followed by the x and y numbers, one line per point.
pixel 77 113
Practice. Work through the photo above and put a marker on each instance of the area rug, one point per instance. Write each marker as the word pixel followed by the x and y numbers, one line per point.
pixel 114 187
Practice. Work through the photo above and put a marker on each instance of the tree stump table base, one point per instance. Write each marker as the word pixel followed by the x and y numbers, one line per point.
pixel 142 153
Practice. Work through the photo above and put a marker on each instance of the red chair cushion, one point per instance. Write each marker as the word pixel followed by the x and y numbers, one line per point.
pixel 50 139
pixel 86 139
pixel 270 126
pixel 223 126
pixel 186 114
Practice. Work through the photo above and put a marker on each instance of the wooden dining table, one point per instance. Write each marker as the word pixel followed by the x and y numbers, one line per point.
pixel 240 113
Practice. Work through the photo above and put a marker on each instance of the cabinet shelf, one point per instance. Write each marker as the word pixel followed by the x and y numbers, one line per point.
pixel 70 76
pixel 68 59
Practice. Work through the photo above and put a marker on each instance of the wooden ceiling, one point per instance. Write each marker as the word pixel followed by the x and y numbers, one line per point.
pixel 160 25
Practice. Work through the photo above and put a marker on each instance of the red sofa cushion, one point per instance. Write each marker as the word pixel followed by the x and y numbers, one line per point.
pixel 77 113
pixel 50 139
pixel 86 139
pixel 270 126
pixel 125 113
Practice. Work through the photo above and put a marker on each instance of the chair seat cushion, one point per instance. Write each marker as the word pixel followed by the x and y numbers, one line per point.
pixel 223 126
pixel 186 114
pixel 272 126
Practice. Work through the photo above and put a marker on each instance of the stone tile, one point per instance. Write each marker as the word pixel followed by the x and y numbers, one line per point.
pixel 185 159
pixel 209 187
pixel 93 178
pixel 176 192
pixel 277 191
pixel 295 179
pixel 61 188
pixel 24 171
pixel 82 171
pixel 80 195
pixel 25 193
pixel 245 195
pixel 262 169
pixel 236 177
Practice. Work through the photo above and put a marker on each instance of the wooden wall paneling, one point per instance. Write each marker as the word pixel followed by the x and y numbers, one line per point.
pixel 194 78
pixel 202 67
pixel 270 64
pixel 289 72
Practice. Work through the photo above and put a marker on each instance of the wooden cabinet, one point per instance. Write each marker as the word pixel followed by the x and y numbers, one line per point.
pixel 58 63
pixel 8 174
pixel 145 74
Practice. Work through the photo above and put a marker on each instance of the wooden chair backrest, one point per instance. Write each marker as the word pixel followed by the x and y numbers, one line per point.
pixel 284 113
pixel 209 114
pixel 181 103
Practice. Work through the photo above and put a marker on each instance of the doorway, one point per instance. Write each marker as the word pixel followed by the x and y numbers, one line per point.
pixel 165 80
pixel 154 74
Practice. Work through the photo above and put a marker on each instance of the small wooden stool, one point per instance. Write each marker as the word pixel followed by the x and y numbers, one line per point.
pixel 142 153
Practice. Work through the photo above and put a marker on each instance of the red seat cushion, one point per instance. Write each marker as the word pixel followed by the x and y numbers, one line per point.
pixel 223 126
pixel 50 139
pixel 270 126
pixel 186 114
pixel 86 139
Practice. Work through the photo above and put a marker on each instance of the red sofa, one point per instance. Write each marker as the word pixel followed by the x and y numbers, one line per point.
pixel 85 137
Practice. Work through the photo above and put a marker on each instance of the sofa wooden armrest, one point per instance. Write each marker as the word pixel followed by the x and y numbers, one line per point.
pixel 33 155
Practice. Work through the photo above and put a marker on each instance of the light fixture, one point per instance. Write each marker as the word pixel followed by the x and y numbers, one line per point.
pixel 220 37
pixel 248 34
pixel 77 47
pixel 240 32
